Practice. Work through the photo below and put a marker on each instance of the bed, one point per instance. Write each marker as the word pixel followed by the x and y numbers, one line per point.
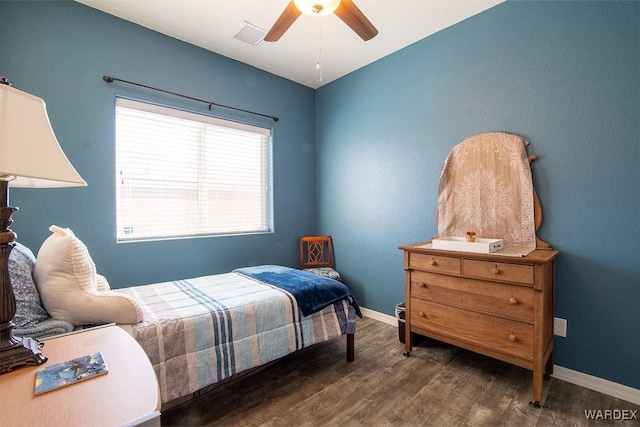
pixel 203 330
pixel 197 332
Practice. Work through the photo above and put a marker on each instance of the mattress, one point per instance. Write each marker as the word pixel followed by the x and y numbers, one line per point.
pixel 202 330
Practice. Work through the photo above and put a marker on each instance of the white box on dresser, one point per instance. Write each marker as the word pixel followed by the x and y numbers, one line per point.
pixel 480 245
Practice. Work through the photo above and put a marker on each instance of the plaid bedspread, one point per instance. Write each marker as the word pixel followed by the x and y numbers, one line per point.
pixel 200 331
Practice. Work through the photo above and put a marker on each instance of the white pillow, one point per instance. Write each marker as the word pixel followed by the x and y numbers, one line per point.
pixel 70 288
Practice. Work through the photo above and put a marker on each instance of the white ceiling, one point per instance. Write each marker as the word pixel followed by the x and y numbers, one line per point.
pixel 210 24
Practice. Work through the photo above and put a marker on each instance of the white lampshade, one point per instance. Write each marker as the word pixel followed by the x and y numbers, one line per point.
pixel 317 7
pixel 30 155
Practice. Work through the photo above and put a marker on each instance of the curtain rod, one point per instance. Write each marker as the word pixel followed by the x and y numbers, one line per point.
pixel 109 79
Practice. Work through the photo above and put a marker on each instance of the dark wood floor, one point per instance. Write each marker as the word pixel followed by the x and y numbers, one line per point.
pixel 439 385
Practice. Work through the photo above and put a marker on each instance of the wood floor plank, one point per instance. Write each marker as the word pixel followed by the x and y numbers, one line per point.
pixel 508 381
pixel 438 385
pixel 567 404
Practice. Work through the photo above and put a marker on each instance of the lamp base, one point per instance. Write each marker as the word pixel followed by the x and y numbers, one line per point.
pixel 14 351
pixel 26 352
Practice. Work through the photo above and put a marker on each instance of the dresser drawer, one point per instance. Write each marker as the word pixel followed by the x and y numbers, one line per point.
pixel 440 264
pixel 498 271
pixel 510 301
pixel 482 330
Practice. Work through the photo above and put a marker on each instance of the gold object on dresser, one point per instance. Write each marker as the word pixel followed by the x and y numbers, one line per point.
pixel 494 305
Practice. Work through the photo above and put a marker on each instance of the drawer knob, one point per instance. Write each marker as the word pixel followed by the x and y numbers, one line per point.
pixel 495 270
pixel 512 300
pixel 421 313
pixel 513 338
pixel 423 285
pixel 433 262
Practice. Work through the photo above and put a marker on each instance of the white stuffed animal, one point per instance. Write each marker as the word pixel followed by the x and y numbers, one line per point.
pixel 70 287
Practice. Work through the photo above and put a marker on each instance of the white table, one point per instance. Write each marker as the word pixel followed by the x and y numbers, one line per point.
pixel 127 395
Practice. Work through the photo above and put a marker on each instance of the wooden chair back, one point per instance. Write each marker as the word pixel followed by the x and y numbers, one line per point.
pixel 316 251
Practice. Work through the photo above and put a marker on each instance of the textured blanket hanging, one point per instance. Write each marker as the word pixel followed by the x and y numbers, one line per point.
pixel 486 186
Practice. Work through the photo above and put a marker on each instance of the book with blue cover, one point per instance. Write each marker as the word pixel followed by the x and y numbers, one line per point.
pixel 70 372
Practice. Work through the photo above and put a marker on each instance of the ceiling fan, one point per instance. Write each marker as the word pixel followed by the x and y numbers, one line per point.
pixel 344 9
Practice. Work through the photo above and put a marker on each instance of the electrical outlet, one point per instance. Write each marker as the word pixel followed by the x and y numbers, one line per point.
pixel 560 327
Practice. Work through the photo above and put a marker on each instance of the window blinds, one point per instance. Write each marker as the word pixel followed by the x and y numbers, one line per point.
pixel 180 174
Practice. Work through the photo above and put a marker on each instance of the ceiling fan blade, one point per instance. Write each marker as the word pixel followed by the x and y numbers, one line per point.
pixel 288 17
pixel 355 19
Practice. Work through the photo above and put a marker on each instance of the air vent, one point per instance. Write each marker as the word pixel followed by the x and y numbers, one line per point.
pixel 249 33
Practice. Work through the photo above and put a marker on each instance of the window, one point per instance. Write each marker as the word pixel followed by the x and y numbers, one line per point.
pixel 181 174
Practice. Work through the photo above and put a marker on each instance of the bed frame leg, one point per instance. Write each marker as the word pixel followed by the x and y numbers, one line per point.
pixel 351 351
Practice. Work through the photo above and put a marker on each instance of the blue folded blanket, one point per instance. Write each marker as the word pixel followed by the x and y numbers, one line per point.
pixel 312 292
pixel 47 328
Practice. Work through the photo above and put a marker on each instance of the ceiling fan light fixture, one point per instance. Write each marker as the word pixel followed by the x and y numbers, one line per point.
pixel 317 7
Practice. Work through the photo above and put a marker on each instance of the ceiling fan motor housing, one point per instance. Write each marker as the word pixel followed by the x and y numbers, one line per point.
pixel 317 7
pixel 346 10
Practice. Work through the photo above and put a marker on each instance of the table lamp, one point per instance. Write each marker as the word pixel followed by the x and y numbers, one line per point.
pixel 30 156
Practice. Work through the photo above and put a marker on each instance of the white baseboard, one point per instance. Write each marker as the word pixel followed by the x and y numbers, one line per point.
pixel 619 391
pixel 381 317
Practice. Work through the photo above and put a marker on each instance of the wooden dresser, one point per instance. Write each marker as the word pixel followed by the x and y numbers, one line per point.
pixel 498 306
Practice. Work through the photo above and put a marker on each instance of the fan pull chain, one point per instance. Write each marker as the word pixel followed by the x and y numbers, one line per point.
pixel 319 58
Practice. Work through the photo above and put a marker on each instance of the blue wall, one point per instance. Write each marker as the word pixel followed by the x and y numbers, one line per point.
pixel 60 50
pixel 566 76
